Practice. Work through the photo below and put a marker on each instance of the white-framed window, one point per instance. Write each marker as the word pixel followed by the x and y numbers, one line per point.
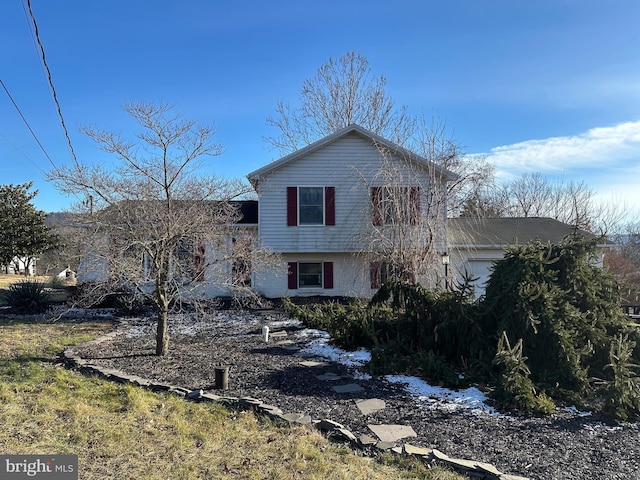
pixel 395 205
pixel 310 275
pixel 310 205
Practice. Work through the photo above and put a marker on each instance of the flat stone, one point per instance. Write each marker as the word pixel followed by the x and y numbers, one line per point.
pixel 289 348
pixel 504 476
pixel 346 434
pixel 370 406
pixel 487 467
pixel 397 450
pixel 327 425
pixel 392 433
pixel 329 377
pixel 439 455
pixel 210 396
pixel 282 343
pixel 412 450
pixel 385 445
pixel 461 464
pixel 367 440
pixel 250 402
pixel 270 408
pixel 348 388
pixel 313 363
pixel 278 334
pixel 300 418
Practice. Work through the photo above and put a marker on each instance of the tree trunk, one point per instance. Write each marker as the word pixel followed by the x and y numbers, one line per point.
pixel 162 333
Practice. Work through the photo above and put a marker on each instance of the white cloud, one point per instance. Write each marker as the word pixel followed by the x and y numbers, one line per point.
pixel 601 147
pixel 607 159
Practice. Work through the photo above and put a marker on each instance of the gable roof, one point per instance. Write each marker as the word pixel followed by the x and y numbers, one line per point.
pixel 353 128
pixel 500 232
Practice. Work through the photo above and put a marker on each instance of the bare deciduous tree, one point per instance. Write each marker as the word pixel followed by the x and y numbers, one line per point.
pixel 154 223
pixel 433 142
pixel 404 236
pixel 533 195
pixel 343 92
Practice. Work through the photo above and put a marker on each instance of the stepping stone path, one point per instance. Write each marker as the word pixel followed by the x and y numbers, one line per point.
pixel 312 364
pixel 329 377
pixel 392 433
pixel 367 407
pixel 348 388
pixel 388 434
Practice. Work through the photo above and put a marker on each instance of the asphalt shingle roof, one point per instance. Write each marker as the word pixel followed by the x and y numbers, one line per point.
pixel 508 231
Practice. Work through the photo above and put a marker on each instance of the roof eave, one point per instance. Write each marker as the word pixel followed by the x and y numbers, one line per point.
pixel 254 177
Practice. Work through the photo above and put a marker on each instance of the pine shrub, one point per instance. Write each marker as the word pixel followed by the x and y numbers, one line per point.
pixel 514 390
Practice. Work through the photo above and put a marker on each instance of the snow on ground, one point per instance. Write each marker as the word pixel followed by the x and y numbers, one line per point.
pixel 426 395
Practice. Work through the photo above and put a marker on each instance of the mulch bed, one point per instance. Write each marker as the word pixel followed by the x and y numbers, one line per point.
pixel 565 446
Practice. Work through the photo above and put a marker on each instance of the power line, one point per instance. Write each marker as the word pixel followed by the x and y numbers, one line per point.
pixel 53 90
pixel 27 123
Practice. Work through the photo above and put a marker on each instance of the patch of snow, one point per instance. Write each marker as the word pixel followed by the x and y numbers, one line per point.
pixel 575 412
pixel 321 348
pixel 310 332
pixel 89 312
pixel 444 398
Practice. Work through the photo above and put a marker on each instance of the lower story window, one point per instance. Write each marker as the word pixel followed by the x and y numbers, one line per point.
pixel 381 272
pixel 310 275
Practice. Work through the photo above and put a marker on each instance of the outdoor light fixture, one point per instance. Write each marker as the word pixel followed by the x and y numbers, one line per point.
pixel 445 262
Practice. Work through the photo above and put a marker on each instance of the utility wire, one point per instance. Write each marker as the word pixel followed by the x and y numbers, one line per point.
pixel 27 123
pixel 53 90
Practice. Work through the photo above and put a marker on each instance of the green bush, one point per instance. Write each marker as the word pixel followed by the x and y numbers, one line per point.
pixel 622 393
pixel 514 390
pixel 27 296
pixel 567 312
pixel 574 343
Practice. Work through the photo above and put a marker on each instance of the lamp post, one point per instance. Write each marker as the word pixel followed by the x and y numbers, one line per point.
pixel 445 262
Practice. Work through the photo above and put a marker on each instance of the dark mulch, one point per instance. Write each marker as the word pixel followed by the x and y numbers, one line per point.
pixel 565 446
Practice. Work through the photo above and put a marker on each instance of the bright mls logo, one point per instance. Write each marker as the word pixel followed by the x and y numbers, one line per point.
pixel 50 467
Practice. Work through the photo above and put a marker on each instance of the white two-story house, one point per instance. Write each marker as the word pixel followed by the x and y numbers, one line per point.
pixel 337 210
pixel 345 213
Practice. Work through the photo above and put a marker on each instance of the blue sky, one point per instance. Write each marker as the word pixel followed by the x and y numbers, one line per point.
pixel 550 86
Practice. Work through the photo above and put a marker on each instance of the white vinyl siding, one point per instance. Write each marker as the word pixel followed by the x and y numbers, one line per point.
pixel 350 277
pixel 349 164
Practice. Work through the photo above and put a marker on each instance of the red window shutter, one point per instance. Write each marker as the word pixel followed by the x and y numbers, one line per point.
pixel 199 260
pixel 376 206
pixel 293 275
pixel 414 205
pixel 329 205
pixel 328 275
pixel 292 206
pixel 374 272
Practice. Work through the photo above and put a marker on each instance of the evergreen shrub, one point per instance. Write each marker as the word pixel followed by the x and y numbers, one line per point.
pixel 573 343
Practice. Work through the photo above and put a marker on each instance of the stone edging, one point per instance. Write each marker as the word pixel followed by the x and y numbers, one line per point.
pixel 331 429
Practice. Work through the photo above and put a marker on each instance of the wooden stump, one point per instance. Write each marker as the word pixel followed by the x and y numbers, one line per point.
pixel 222 377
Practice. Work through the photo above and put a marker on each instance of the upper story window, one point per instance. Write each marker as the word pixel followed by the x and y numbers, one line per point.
pixel 395 205
pixel 311 206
